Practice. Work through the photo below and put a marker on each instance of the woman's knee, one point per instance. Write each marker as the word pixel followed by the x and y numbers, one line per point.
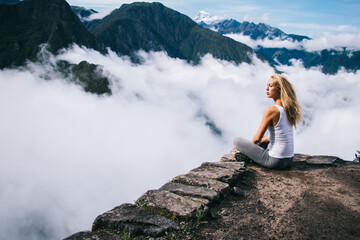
pixel 242 144
pixel 238 142
pixel 235 141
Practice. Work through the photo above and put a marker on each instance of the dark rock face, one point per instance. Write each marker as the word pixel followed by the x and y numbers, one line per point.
pixel 136 220
pixel 89 76
pixel 26 25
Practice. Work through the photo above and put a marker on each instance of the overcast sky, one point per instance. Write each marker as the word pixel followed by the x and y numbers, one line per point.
pixel 307 17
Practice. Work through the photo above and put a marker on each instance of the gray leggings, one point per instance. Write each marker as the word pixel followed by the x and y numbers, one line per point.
pixel 260 155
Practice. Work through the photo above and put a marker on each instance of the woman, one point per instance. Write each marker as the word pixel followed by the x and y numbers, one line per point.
pixel 280 120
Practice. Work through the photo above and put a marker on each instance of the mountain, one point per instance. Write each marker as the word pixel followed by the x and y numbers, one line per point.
pixel 154 27
pixel 26 25
pixel 329 60
pixel 89 76
pixel 254 31
pixel 82 13
pixel 9 1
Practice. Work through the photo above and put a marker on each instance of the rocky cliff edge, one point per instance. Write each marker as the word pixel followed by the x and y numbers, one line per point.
pixel 318 197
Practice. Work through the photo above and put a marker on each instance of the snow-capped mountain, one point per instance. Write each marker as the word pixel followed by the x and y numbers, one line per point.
pixel 254 31
pixel 280 48
pixel 205 18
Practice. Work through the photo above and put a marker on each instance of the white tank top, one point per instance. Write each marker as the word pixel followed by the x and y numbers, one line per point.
pixel 281 137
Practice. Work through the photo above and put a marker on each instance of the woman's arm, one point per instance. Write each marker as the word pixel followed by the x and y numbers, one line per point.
pixel 269 115
pixel 264 140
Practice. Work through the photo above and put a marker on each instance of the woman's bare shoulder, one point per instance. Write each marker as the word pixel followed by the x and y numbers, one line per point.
pixel 272 110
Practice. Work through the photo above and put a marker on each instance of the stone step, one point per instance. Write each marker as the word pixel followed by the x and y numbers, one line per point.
pixel 212 184
pixel 215 171
pixel 172 205
pixel 238 166
pixel 230 157
pixel 192 191
pixel 134 220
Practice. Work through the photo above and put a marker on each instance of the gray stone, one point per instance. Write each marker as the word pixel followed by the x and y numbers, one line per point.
pixel 212 184
pixel 135 220
pixel 87 235
pixel 213 171
pixel 326 160
pixel 234 150
pixel 238 166
pixel 300 157
pixel 171 204
pixel 230 157
pixel 193 191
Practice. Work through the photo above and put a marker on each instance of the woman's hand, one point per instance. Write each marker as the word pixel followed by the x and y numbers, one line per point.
pixel 264 140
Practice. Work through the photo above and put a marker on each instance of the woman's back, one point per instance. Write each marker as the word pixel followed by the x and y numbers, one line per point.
pixel 281 137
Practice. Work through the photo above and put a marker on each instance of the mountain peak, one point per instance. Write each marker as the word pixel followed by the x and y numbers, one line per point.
pixel 201 16
pixel 83 13
pixel 31 23
pixel 254 30
pixel 154 27
pixel 205 17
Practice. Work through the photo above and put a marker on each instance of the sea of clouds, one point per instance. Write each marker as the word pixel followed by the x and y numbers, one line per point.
pixel 68 156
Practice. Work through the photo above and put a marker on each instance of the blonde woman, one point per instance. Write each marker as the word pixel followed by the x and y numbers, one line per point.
pixel 280 120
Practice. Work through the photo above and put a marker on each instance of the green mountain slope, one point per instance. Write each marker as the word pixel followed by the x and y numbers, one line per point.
pixel 26 25
pixel 152 26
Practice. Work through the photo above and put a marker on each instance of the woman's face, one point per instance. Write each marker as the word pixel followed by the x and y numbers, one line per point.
pixel 272 91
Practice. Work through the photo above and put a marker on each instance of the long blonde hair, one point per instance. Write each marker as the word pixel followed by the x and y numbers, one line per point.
pixel 288 98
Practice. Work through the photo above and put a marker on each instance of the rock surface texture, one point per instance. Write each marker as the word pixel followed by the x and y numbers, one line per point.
pixel 318 197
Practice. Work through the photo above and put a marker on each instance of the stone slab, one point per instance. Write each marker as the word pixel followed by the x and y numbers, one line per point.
pixel 234 150
pixel 137 220
pixel 230 157
pixel 321 160
pixel 171 204
pixel 300 157
pixel 238 166
pixel 215 172
pixel 192 191
pixel 212 184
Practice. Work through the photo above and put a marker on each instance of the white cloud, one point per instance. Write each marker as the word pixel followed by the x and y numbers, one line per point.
pixel 330 41
pixel 318 43
pixel 68 156
pixel 248 18
pixel 265 17
pixel 322 28
pixel 206 17
pixel 98 15
pixel 268 43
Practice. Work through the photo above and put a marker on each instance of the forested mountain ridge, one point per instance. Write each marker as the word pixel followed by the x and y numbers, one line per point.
pixel 154 27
